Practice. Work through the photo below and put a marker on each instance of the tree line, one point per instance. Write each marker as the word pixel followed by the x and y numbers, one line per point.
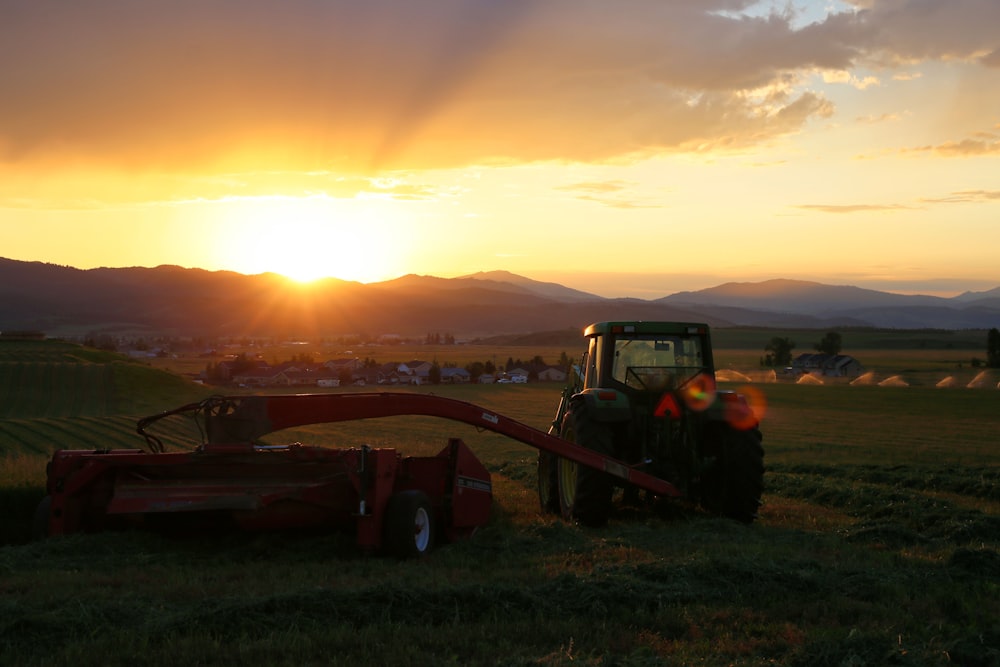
pixel 778 350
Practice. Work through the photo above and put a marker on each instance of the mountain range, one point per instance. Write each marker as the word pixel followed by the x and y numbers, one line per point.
pixel 170 300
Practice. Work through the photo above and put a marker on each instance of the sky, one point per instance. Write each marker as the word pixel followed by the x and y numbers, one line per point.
pixel 631 148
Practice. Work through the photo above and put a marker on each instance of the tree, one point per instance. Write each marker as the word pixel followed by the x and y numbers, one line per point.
pixel 434 374
pixel 829 344
pixel 564 361
pixel 779 351
pixel 475 368
pixel 993 348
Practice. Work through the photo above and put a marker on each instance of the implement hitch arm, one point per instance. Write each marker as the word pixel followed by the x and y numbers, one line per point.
pixel 242 419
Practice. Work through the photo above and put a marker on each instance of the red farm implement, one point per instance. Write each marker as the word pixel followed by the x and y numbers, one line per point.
pixel 394 504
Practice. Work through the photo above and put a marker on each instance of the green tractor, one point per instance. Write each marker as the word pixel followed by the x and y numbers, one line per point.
pixel 645 394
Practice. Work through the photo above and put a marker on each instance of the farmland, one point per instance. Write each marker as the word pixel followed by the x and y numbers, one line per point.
pixel 879 542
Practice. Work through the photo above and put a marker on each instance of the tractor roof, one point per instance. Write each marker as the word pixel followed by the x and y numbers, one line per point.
pixel 643 327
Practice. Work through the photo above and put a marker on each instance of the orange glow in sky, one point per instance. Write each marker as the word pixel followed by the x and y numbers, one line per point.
pixel 306 238
pixel 633 149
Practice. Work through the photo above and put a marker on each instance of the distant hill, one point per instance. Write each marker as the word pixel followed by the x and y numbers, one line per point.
pixel 840 305
pixel 799 296
pixel 170 300
pixel 547 290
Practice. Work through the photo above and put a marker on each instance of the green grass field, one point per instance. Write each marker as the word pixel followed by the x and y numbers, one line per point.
pixel 879 543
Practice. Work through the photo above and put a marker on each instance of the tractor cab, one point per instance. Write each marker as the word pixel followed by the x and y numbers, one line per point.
pixel 637 357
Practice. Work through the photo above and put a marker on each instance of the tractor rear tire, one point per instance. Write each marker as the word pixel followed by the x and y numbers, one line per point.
pixel 585 493
pixel 408 530
pixel 733 486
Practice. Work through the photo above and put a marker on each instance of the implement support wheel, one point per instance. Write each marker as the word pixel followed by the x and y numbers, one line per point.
pixel 409 525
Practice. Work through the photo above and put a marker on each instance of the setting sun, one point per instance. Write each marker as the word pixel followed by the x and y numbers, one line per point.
pixel 307 238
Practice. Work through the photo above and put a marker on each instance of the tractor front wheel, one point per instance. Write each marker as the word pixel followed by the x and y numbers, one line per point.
pixel 585 493
pixel 409 525
pixel 567 473
pixel 548 482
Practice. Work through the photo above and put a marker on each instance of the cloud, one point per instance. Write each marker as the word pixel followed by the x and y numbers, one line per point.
pixel 881 118
pixel 908 31
pixel 602 192
pixel 958 197
pixel 624 204
pixel 596 187
pixel 338 85
pixel 982 144
pixel 841 76
pixel 991 59
pixel 966 196
pixel 852 208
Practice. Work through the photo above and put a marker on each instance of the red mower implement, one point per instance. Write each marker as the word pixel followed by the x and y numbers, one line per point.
pixel 395 504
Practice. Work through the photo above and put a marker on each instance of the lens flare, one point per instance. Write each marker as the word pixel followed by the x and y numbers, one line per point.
pixel 738 416
pixel 699 393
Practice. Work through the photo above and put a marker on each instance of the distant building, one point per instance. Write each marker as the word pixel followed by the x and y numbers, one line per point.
pixel 552 374
pixel 830 365
pixel 455 375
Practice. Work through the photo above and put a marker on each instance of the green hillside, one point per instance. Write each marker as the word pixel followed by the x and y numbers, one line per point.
pixel 57 395
pixel 54 379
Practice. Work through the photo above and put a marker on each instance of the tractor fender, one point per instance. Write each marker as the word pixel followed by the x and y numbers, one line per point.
pixel 731 407
pixel 606 405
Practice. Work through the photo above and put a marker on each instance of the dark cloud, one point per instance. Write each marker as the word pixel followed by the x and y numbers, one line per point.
pixel 348 85
pixel 913 30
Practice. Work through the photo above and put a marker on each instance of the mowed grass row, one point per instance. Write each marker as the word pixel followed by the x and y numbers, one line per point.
pixel 55 389
pixel 877 544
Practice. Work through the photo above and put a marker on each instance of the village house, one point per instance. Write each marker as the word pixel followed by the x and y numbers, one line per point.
pixel 455 375
pixel 302 378
pixel 518 372
pixel 338 365
pixel 830 365
pixel 552 374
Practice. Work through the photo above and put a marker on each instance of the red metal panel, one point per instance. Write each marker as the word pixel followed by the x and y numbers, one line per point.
pixel 380 475
pixel 472 488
